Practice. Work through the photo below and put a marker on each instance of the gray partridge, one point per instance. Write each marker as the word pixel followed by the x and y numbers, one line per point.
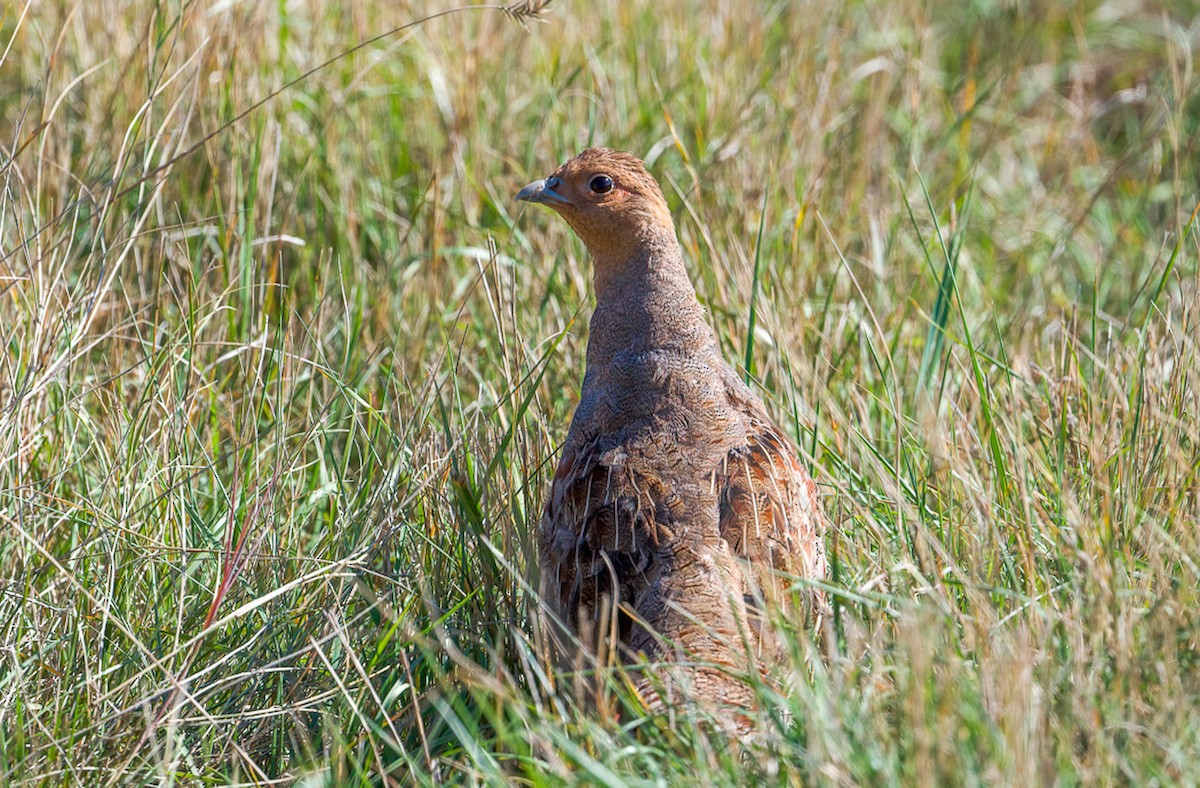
pixel 678 508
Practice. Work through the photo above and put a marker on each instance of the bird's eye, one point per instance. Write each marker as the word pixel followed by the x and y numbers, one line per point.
pixel 601 184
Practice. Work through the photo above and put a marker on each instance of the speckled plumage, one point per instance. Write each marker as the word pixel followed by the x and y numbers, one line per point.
pixel 677 503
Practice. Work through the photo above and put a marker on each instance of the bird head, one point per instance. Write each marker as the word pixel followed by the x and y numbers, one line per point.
pixel 611 202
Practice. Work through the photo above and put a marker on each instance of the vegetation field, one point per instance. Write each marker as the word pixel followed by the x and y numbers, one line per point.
pixel 284 370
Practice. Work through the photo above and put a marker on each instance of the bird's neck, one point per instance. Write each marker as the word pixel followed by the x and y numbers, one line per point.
pixel 646 302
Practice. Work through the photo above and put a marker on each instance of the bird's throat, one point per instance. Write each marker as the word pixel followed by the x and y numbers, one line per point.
pixel 646 303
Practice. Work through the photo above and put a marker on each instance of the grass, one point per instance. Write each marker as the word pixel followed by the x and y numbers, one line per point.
pixel 281 388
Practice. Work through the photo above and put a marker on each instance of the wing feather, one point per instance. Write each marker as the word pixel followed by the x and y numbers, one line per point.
pixel 771 518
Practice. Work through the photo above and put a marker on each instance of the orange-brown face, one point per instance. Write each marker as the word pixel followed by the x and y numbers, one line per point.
pixel 607 197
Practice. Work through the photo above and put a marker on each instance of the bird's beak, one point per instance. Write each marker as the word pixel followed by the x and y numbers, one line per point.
pixel 543 191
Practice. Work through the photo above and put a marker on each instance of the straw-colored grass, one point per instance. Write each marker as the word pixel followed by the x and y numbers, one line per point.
pixel 280 387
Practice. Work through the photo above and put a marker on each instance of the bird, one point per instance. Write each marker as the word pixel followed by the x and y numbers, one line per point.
pixel 679 512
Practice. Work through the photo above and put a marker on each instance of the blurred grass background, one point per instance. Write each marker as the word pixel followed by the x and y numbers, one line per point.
pixel 280 388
